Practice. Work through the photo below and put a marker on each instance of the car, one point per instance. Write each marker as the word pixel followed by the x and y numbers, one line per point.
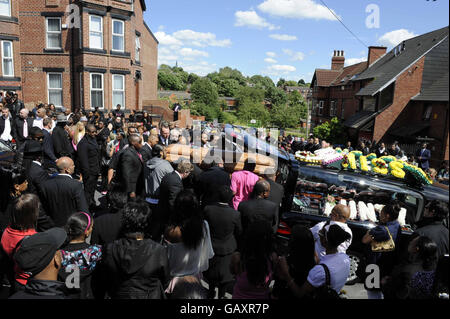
pixel 315 183
pixel 7 154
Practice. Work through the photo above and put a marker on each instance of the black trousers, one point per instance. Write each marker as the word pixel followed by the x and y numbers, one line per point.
pixel 90 183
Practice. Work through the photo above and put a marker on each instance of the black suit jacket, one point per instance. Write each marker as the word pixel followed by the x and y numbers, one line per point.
pixel 258 209
pixel 276 192
pixel 170 186
pixel 18 128
pixel 131 171
pixel 36 175
pixel 47 144
pixel 165 142
pixel 209 182
pixel 225 227
pixel 61 143
pixel 88 156
pixel 146 153
pixel 62 196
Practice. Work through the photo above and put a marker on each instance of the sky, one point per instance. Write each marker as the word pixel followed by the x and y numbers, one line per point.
pixel 283 38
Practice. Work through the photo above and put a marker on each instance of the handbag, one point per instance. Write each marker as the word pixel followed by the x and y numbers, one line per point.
pixel 383 246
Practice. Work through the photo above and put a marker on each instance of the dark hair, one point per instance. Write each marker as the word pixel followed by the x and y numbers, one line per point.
pixel 301 253
pixel 336 235
pixel 439 209
pixel 135 217
pixel 26 212
pixel 116 199
pixel 258 245
pixel 18 177
pixel 427 249
pixel 392 210
pixel 249 166
pixel 225 194
pixel 188 218
pixel 259 188
pixel 76 225
pixel 156 150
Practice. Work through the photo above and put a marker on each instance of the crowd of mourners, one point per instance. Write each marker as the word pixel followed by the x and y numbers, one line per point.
pixel 163 229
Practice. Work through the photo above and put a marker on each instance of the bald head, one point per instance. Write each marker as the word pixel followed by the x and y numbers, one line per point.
pixel 340 213
pixel 65 165
pixel 261 189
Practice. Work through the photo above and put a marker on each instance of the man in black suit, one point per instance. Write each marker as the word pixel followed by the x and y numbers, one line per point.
pixel 259 207
pixel 49 153
pixel 170 186
pixel 276 190
pixel 146 149
pixel 62 195
pixel 130 167
pixel 61 142
pixel 226 229
pixel 36 175
pixel 165 134
pixel 309 146
pixel 211 179
pixel 89 162
pixel 22 126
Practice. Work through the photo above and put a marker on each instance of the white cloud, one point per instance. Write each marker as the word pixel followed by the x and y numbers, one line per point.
pixel 202 68
pixel 393 38
pixel 278 70
pixel 283 37
pixel 200 39
pixel 296 9
pixel 167 39
pixel 253 20
pixel 188 52
pixel 295 56
pixel 271 54
pixel 352 61
pixel 270 60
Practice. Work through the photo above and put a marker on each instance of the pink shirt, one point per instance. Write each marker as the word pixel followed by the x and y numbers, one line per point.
pixel 242 183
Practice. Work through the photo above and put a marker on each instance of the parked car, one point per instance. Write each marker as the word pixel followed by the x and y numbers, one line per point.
pixel 316 183
pixel 7 154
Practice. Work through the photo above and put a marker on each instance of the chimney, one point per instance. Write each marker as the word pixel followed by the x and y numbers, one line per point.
pixel 338 60
pixel 374 54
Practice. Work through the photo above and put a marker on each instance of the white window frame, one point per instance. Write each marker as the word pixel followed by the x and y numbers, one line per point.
pixel 90 31
pixel 123 106
pixel 320 107
pixel 9 10
pixel 117 35
pixel 53 89
pixel 9 58
pixel 333 108
pixel 92 89
pixel 53 32
pixel 137 53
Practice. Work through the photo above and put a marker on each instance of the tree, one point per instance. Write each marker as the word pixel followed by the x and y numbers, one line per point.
pixel 332 131
pixel 204 91
pixel 291 83
pixel 301 82
pixel 192 78
pixel 250 110
pixel 276 96
pixel 170 81
pixel 228 87
pixel 284 116
pixel 295 99
pixel 281 83
pixel 262 82
pixel 249 94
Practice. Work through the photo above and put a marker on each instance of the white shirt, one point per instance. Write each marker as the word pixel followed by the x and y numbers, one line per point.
pixel 6 135
pixel 38 122
pixel 339 266
pixel 342 248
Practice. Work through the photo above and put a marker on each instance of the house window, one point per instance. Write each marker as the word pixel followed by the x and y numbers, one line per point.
pixel 7 58
pixel 386 96
pixel 5 8
pixel 333 108
pixel 96 90
pixel 427 113
pixel 138 49
pixel 55 89
pixel 118 35
pixel 54 33
pixel 95 32
pixel 321 107
pixel 118 92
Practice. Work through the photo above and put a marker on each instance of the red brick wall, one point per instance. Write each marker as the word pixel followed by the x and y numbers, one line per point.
pixel 407 86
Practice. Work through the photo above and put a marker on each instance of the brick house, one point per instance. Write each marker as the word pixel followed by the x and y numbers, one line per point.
pixel 404 96
pixel 333 92
pixel 109 58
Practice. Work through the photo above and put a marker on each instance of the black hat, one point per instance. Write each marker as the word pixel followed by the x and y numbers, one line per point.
pixel 37 251
pixel 32 147
pixel 36 131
